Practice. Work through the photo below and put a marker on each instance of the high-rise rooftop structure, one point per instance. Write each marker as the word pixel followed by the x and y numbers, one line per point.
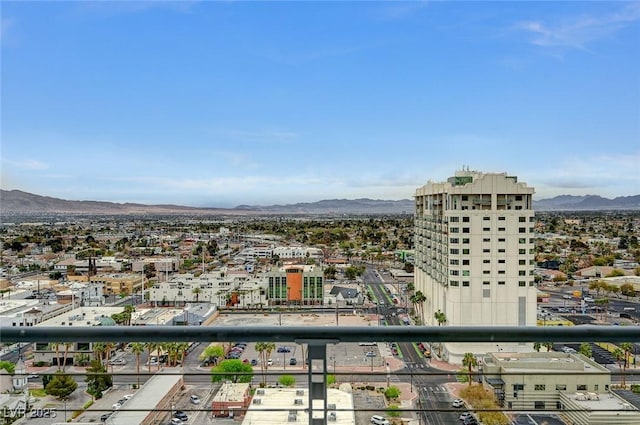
pixel 474 255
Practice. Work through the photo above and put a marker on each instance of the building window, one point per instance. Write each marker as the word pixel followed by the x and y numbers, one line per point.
pixel 502 218
pixel 581 387
pixel 465 219
pixel 454 272
pixel 453 240
pixel 486 229
pixel 561 387
pixel 518 387
pixel 502 272
pixel 539 387
pixel 522 240
pixel 501 282
pixel 466 230
pixel 501 250
pixel 454 251
pixel 453 229
pixel 538 405
pixel 522 262
pixel 522 283
pixel 465 240
pixel 486 261
pixel 486 250
pixel 522 251
pixel 465 283
pixel 501 261
pixel 486 293
pixel 486 282
pixel 465 262
pixel 454 261
pixel 454 219
pixel 485 218
pixel 595 387
pixel 522 219
pixel 453 282
pixel 502 240
pixel 486 240
pixel 465 251
pixel 522 230
pixel 465 272
pixel 522 272
pixel 486 271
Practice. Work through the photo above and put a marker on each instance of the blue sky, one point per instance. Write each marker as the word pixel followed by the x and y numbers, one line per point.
pixel 228 103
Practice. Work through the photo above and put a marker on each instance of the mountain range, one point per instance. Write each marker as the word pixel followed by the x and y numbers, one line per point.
pixel 19 202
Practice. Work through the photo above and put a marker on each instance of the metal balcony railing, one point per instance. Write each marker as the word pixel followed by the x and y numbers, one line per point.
pixel 313 401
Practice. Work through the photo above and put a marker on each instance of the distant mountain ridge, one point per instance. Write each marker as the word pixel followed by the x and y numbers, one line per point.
pixel 587 203
pixel 19 202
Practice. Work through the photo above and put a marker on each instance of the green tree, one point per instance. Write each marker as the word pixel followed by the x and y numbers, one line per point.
pixel 392 393
pixel 470 361
pixel 232 370
pixel 331 379
pixel 137 348
pixel 585 350
pixel 97 379
pixel 196 292
pixel 440 317
pixel 393 410
pixel 287 380
pixel 212 353
pixel 627 348
pixel 537 346
pixel 615 273
pixel 618 354
pixel 61 385
pixel 8 366
pixel 548 345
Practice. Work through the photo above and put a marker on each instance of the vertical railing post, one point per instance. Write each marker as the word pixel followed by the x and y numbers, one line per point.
pixel 317 379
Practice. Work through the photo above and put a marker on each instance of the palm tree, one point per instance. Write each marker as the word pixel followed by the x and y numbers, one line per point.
pixel 537 346
pixel 128 311
pixel 627 347
pixel 151 347
pixel 618 354
pixel 440 317
pixel 98 351
pixel 196 292
pixel 108 348
pixel 137 348
pixel 56 346
pixel 548 345
pixel 469 361
pixel 585 350
pixel 264 349
pixel 66 353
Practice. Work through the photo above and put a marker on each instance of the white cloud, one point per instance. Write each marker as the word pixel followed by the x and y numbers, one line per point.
pixel 579 31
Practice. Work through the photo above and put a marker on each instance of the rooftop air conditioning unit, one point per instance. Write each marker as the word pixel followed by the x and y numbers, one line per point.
pixel 332 417
pixel 331 406
pixel 257 401
pixel 299 392
pixel 260 392
pixel 297 401
pixel 292 418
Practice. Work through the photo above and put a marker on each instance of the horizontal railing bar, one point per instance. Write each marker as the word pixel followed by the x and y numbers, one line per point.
pixel 311 333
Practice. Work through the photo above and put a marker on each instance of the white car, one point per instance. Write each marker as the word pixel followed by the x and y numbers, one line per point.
pixel 116 406
pixel 588 299
pixel 457 403
pixel 379 420
pixel 270 362
pixel 195 399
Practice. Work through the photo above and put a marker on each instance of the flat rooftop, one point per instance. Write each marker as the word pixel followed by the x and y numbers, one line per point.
pixel 82 316
pixel 290 400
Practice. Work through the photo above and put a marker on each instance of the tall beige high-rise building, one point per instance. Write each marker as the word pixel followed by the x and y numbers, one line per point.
pixel 474 254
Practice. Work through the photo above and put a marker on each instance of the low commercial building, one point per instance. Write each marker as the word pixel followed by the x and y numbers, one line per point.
pixel 535 381
pixel 232 400
pixel 296 284
pixel 276 406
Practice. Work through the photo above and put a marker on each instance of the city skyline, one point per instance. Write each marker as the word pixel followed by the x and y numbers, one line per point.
pixel 220 104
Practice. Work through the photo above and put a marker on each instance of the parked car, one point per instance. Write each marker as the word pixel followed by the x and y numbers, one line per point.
pixel 175 421
pixel 470 421
pixel 270 362
pixel 293 361
pixel 284 349
pixel 32 376
pixel 104 417
pixel 379 420
pixel 194 399
pixel 254 362
pixel 457 403
pixel 116 406
pixel 369 354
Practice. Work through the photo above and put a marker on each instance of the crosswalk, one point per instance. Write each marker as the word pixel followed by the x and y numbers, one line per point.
pixel 435 389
